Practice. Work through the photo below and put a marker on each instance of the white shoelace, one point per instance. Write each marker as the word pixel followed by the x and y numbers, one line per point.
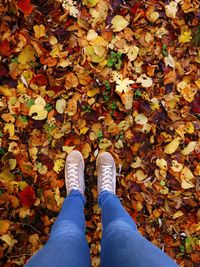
pixel 107 178
pixel 73 181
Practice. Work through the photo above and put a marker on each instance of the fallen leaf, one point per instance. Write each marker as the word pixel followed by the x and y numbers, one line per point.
pixel 119 23
pixel 39 30
pixel 61 105
pixel 145 81
pixel 27 196
pixel 172 146
pixel 171 10
pixel 189 148
pixel 25 6
pixel 59 165
pixel 27 55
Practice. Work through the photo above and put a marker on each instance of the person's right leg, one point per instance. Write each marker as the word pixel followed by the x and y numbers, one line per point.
pixel 122 245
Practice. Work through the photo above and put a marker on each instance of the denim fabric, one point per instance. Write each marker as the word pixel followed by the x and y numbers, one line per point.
pixel 121 246
pixel 67 245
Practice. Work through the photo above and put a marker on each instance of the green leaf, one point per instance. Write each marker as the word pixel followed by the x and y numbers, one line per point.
pixel 14 60
pixel 48 107
pixel 1 134
pixel 100 135
pixel 2 151
pixel 30 102
pixel 114 60
pixel 138 93
pixel 164 50
pixel 23 118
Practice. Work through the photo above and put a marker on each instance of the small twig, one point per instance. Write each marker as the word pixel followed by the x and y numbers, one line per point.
pixel 26 224
pixel 18 256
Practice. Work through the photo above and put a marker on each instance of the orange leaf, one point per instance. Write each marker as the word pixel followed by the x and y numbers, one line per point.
pixel 25 6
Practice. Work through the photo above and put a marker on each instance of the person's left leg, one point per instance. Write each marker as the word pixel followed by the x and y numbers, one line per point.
pixel 67 245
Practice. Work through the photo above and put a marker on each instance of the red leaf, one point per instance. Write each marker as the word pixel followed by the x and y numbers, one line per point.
pixel 27 196
pixel 5 48
pixel 25 6
pixel 195 105
pixel 40 80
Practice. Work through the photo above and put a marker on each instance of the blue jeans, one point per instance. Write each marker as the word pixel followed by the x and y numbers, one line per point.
pixel 121 245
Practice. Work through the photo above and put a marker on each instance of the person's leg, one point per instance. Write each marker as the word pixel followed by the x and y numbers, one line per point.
pixel 67 245
pixel 122 244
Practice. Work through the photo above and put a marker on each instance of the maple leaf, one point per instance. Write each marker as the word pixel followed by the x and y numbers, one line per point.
pixel 27 196
pixel 25 6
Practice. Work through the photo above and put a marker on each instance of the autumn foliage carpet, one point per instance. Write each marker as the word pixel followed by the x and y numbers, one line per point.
pixel 117 76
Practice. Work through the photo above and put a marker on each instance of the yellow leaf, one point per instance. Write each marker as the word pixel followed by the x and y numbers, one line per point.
pixel 186 174
pixel 177 214
pixel 171 10
pixel 133 52
pixel 59 165
pixel 91 35
pixel 90 3
pixel 176 166
pixel 23 212
pixel 27 55
pixel 105 143
pixel 137 163
pixel 140 175
pixel 5 91
pixel 145 80
pixel 119 144
pixel 39 30
pixel 93 92
pixel 162 164
pixel 7 175
pixel 189 148
pixel 58 198
pixel 4 226
pixel 197 82
pixel 40 112
pixel 61 105
pixel 119 23
pixel 86 150
pixel 84 130
pixel 12 163
pixel 172 146
pixel 153 16
pixel 68 149
pixel 185 37
pixel 141 119
pixel 9 240
pixel 185 184
pixel 9 127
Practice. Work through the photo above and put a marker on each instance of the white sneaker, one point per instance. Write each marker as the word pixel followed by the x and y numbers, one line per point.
pixel 74 172
pixel 106 172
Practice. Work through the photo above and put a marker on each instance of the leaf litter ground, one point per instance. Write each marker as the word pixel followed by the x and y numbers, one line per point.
pixel 117 76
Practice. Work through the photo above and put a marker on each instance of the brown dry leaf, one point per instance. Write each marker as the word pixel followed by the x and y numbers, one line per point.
pixel 71 107
pixel 71 81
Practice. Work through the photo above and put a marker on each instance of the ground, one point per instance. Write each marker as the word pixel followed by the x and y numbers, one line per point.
pixel 117 76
